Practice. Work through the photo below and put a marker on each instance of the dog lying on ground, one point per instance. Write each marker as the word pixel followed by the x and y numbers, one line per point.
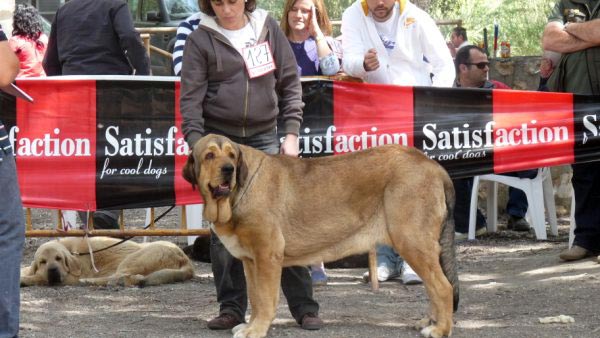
pixel 67 262
pixel 274 210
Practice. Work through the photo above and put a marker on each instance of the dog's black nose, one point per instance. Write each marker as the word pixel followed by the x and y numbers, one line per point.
pixel 54 277
pixel 227 170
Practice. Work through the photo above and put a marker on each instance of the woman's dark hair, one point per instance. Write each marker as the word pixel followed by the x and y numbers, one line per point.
pixel 27 22
pixel 206 8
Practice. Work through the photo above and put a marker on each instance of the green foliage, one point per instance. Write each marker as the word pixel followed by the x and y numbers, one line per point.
pixel 520 22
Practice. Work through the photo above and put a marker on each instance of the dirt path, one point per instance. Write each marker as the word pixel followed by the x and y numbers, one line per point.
pixel 508 281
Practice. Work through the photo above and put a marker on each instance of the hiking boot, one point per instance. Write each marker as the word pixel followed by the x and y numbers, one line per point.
pixel 518 224
pixel 224 321
pixel 575 253
pixel 460 236
pixel 311 321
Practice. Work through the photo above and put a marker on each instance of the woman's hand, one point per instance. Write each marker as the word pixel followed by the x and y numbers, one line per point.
pixel 290 145
pixel 313 24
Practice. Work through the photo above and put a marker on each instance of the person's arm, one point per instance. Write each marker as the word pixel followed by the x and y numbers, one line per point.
pixel 328 62
pixel 354 50
pixel 130 41
pixel 588 31
pixel 194 83
pixel 437 53
pixel 288 88
pixel 51 63
pixel 9 63
pixel 185 28
pixel 556 39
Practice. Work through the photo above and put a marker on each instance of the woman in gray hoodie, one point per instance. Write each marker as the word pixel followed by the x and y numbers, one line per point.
pixel 238 74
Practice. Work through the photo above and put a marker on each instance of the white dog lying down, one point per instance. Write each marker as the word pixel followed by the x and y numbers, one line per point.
pixel 67 262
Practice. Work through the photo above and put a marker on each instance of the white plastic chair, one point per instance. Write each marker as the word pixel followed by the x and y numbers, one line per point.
pixel 539 191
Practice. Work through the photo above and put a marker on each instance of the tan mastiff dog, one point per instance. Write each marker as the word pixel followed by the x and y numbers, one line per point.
pixel 272 211
pixel 67 262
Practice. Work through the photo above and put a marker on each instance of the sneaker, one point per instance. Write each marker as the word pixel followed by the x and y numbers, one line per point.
pixel 459 236
pixel 409 276
pixel 311 321
pixel 224 321
pixel 318 276
pixel 575 253
pixel 517 224
pixel 383 274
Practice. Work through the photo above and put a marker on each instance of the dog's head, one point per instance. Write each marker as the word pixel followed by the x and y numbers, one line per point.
pixel 216 166
pixel 55 264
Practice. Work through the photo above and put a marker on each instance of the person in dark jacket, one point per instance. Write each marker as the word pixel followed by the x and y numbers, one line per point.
pixel 95 37
pixel 227 91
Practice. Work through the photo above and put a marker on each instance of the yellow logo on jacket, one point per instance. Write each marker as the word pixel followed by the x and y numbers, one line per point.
pixel 409 21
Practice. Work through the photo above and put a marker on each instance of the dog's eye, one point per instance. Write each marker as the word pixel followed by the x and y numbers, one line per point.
pixel 43 261
pixel 232 156
pixel 58 258
pixel 209 156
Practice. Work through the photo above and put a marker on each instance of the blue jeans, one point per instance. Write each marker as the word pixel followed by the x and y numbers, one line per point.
pixel 12 238
pixel 387 256
pixel 228 271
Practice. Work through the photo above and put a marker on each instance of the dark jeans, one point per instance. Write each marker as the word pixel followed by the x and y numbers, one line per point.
pixel 516 205
pixel 586 185
pixel 12 237
pixel 229 271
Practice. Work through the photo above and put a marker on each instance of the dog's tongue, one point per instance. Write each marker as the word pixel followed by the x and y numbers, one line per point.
pixel 222 189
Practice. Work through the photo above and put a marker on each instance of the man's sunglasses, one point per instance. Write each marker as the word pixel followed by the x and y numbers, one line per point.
pixel 480 65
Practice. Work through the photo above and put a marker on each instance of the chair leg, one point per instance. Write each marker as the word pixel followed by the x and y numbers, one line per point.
pixel 536 207
pixel 473 209
pixel 492 207
pixel 549 202
pixel 573 224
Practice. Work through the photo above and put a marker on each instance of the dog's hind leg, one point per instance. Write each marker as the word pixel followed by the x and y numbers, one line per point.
pixel 424 259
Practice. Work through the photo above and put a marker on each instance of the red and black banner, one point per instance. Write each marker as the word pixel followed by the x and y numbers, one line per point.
pixel 108 143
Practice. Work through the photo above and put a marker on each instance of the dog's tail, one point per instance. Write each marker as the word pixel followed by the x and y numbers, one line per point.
pixel 166 276
pixel 448 255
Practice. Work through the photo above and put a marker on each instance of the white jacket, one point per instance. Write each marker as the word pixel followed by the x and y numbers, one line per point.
pixel 417 36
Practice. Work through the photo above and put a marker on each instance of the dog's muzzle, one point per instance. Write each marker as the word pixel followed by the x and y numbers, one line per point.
pixel 54 277
pixel 223 189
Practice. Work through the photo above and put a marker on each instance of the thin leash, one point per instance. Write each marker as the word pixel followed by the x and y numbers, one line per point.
pixel 126 238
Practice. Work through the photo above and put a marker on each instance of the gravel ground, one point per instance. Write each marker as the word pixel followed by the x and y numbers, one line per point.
pixel 508 281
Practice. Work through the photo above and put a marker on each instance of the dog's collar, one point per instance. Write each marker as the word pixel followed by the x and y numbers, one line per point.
pixel 243 192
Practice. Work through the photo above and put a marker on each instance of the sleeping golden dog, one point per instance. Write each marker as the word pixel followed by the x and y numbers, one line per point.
pixel 274 210
pixel 67 262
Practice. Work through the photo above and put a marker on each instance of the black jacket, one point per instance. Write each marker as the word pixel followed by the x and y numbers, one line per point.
pixel 95 37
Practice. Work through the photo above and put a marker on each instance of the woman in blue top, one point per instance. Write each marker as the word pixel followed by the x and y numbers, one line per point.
pixel 307 27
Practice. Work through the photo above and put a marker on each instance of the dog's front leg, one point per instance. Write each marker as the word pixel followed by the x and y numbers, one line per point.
pixel 263 277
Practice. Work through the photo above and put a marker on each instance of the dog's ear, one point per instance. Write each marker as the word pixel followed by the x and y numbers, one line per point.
pixel 189 172
pixel 242 168
pixel 72 264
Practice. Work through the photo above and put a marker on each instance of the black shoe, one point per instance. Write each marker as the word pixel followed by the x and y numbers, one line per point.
pixel 102 221
pixel 224 321
pixel 311 321
pixel 518 224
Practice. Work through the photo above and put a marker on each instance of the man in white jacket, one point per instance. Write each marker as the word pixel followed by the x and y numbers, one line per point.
pixel 394 42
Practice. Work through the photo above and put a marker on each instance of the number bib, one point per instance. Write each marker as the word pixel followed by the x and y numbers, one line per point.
pixel 259 59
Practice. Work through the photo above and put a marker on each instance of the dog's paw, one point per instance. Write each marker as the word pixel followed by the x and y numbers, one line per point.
pixel 423 323
pixel 247 331
pixel 432 331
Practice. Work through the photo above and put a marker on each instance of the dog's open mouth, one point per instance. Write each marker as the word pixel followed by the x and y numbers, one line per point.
pixel 222 190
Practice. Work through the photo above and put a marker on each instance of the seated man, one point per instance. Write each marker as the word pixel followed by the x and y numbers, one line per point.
pixel 472 67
